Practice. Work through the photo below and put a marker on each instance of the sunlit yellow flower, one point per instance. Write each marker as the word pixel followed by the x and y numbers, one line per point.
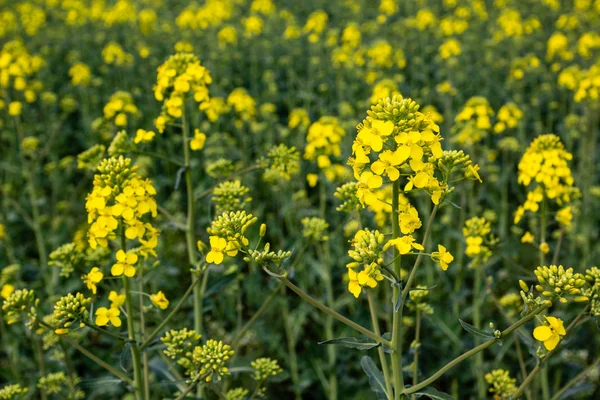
pixel 160 300
pixel 125 264
pixel 116 300
pixel 7 290
pixel 217 250
pixel 92 278
pixel 105 315
pixel 442 256
pixel 143 136
pixel 551 333
pixel 527 237
pixel 197 143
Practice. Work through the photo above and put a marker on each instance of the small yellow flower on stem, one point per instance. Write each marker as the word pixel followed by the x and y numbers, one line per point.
pixel 105 315
pixel 92 278
pixel 404 244
pixel 125 264
pixel 197 143
pixel 544 248
pixel 116 300
pixel 6 291
pixel 442 256
pixel 143 136
pixel 217 248
pixel 550 334
pixel 160 300
pixel 527 238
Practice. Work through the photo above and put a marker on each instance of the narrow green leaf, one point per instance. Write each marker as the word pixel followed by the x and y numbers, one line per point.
pixel 475 331
pixel 353 343
pixel 125 357
pixel 434 394
pixel 376 379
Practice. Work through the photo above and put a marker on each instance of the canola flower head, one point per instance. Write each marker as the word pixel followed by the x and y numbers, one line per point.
pixel 230 196
pixel 69 309
pixel 315 229
pixel 347 194
pixel 211 359
pixel 159 300
pixel 236 394
pixel 502 386
pixel 281 163
pixel 179 342
pixel 13 391
pixel 558 282
pixel 473 122
pixel 265 368
pixel 104 316
pixel 20 304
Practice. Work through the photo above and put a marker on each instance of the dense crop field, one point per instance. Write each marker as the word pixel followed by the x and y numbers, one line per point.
pixel 321 199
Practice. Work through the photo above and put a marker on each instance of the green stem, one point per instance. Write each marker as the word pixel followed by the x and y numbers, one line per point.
pixel 146 369
pixel 135 352
pixel 416 349
pixel 188 389
pixel 291 343
pixel 475 350
pixel 331 351
pixel 477 322
pixel 397 316
pixel 41 362
pixel 333 313
pixel 382 357
pixel 190 231
pixel 538 367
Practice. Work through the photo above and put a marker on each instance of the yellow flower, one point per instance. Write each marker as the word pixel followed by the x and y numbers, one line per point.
pixel 116 300
pixel 527 238
pixel 105 315
pixel 404 244
pixel 550 334
pixel 217 248
pixel 160 300
pixel 92 278
pixel 442 256
pixel 368 181
pixel 312 179
pixel 544 248
pixel 197 143
pixel 6 290
pixel 143 136
pixel 473 245
pixel 367 277
pixel 15 108
pixel 125 264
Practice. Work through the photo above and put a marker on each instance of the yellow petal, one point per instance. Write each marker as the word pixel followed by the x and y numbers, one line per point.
pixel 542 333
pixel 552 342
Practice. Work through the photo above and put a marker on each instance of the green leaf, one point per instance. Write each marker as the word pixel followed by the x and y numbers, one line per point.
pixel 583 388
pixel 376 379
pixel 219 284
pixel 125 357
pixel 434 394
pixel 387 336
pixel 475 331
pixel 353 343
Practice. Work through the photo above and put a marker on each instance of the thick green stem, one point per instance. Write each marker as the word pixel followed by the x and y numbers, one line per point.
pixel 397 317
pixel 475 350
pixel 190 231
pixel 135 352
pixel 333 313
pixel 477 322
pixel 382 357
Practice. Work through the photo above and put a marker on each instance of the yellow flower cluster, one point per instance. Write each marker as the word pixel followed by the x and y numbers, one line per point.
pixel 80 74
pixel 588 85
pixel 511 25
pixel 227 235
pixel 120 193
pixel 550 333
pixel 401 138
pixel 473 122
pixel 324 140
pixel 450 48
pixel 544 170
pixel 17 67
pixel 508 117
pixel 243 104
pixel 119 107
pixel 211 13
pixel 367 249
pixel 477 236
pixel 113 54
pixel 177 77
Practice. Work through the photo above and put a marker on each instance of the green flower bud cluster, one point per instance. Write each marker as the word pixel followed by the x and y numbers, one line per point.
pixel 267 256
pixel 509 143
pixel 367 247
pixel 230 196
pixel 66 257
pixel 52 383
pixel 179 342
pixel 453 161
pixel 71 308
pixel 115 172
pixel 502 385
pixel 592 275
pixel 220 169
pixel 418 295
pixel 13 392
pixel 21 303
pixel 29 145
pixel 120 144
pixel 90 158
pixel 558 282
pixel 401 111
pixel 347 195
pixel 265 368
pixel 282 162
pixel 231 226
pixel 210 360
pixel 314 229
pixel 236 394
